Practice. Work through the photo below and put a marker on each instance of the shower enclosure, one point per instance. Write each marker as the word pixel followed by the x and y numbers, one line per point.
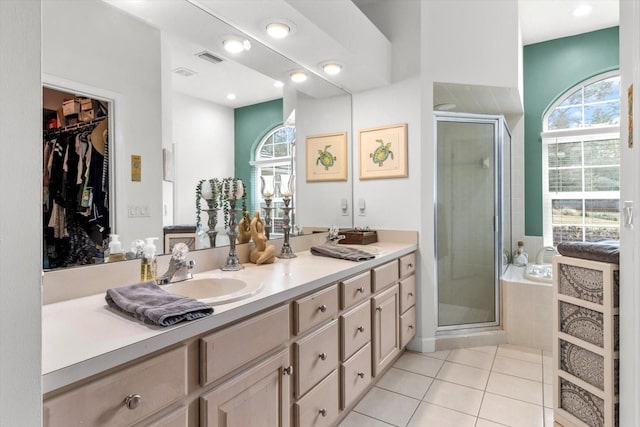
pixel 473 218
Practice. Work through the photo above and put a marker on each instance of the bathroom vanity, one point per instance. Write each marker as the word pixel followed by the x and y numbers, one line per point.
pixel 301 352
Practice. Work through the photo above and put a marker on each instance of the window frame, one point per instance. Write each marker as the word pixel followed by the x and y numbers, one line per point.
pixel 582 135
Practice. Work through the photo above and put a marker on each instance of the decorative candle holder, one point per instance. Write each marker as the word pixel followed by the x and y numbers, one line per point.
pixel 213 221
pixel 267 192
pixel 286 188
pixel 233 263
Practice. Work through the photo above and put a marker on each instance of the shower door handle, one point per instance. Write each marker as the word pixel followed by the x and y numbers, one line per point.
pixel 495 223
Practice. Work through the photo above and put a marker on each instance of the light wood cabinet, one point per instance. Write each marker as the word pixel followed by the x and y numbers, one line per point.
pixel 320 407
pixel 123 397
pixel 258 396
pixel 385 339
pixel 255 372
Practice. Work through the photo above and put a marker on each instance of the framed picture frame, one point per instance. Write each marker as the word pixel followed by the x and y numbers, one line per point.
pixel 383 152
pixel 171 239
pixel 327 157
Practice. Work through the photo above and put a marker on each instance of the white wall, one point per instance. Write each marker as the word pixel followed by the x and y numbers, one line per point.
pixel 629 238
pixel 390 203
pixel 203 137
pixel 318 203
pixel 21 218
pixel 92 44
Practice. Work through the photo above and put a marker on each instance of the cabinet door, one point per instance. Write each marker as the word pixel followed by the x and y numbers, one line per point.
pixel 258 396
pixel 386 340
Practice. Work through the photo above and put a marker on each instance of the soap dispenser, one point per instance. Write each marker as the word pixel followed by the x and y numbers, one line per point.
pixel 149 266
pixel 115 249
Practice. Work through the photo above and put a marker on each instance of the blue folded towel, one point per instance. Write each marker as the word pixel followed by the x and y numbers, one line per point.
pixel 149 303
pixel 341 252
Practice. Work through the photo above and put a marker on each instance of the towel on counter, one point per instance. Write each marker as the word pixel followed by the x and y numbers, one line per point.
pixel 603 250
pixel 341 252
pixel 149 303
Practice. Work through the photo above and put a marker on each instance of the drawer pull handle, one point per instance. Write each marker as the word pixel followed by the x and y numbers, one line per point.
pixel 323 412
pixel 288 370
pixel 323 356
pixel 410 294
pixel 410 327
pixel 132 401
pixel 378 308
pixel 361 289
pixel 322 308
pixel 361 374
pixel 361 328
pixel 410 265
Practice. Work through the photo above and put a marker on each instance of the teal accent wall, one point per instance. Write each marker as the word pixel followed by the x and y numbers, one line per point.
pixel 550 69
pixel 251 124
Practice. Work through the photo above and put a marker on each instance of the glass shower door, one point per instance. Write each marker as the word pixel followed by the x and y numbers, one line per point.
pixel 467 221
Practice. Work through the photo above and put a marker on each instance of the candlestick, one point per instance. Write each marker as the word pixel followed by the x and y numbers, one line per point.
pixel 233 263
pixel 286 251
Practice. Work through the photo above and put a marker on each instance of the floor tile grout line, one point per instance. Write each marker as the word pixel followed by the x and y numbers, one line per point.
pixel 377 419
pixel 427 391
pixel 484 392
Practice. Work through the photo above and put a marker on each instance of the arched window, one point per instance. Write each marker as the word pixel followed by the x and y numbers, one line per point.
pixel 274 156
pixel 581 163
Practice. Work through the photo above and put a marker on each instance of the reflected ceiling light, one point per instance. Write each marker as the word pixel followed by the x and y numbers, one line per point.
pixel 332 68
pixel 231 96
pixel 582 10
pixel 278 30
pixel 278 83
pixel 234 45
pixel 298 76
pixel 444 107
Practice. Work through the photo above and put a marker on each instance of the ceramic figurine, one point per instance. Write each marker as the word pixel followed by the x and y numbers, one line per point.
pixel 263 253
pixel 244 229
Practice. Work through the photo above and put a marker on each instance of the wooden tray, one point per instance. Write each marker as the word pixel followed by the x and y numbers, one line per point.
pixel 353 237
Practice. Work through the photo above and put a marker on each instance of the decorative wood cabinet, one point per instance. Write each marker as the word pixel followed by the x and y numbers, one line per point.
pixel 585 342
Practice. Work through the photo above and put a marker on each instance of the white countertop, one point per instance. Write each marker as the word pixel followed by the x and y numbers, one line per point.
pixel 82 337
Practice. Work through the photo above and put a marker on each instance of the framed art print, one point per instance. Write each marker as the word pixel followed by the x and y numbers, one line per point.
pixel 383 152
pixel 327 157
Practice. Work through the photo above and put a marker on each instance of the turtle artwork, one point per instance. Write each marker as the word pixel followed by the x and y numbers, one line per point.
pixel 382 153
pixel 326 158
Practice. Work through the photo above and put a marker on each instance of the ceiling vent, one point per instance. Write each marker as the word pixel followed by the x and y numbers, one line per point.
pixel 184 72
pixel 208 56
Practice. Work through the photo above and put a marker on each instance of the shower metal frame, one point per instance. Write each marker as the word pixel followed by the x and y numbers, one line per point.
pixel 501 130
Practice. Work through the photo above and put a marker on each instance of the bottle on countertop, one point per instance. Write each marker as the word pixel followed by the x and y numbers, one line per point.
pixel 149 268
pixel 115 249
pixel 520 255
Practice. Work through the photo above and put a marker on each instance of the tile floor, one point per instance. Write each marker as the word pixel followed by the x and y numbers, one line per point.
pixel 502 385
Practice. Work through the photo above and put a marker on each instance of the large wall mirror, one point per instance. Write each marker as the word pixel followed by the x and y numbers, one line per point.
pixel 185 109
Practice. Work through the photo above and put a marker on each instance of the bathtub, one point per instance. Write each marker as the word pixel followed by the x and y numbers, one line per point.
pixel 527 305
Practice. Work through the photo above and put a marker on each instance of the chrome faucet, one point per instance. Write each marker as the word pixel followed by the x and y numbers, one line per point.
pixel 333 237
pixel 179 267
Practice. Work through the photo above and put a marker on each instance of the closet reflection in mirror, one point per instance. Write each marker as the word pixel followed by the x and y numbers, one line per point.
pixel 168 98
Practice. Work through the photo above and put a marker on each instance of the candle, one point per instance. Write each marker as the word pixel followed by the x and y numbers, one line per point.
pixel 238 186
pixel 267 186
pixel 285 189
pixel 206 191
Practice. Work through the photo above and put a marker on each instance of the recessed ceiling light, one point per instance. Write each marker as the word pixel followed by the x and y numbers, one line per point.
pixel 582 10
pixel 231 96
pixel 234 45
pixel 444 107
pixel 332 68
pixel 278 83
pixel 278 30
pixel 298 76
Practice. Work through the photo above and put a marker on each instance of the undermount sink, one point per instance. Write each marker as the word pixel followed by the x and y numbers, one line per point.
pixel 215 290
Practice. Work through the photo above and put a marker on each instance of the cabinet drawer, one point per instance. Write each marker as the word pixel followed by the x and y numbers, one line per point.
pixel 384 275
pixel 315 309
pixel 408 264
pixel 232 347
pixel 315 356
pixel 356 375
pixel 355 289
pixel 320 407
pixel 355 329
pixel 158 382
pixel 407 326
pixel 407 293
